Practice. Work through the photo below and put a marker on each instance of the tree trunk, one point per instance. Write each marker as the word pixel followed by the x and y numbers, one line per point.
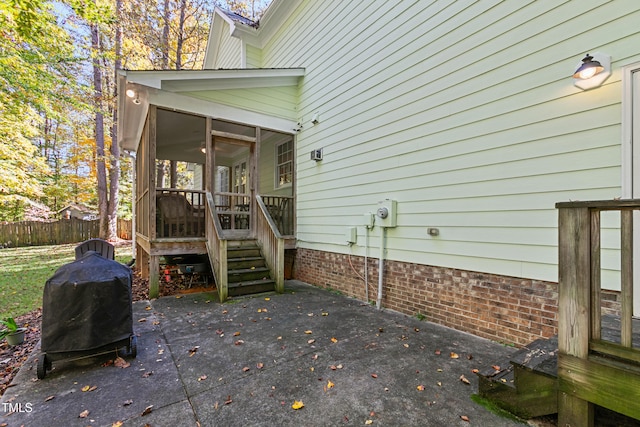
pixel 101 170
pixel 114 171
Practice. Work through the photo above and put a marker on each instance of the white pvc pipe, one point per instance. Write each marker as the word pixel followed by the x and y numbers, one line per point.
pixel 366 262
pixel 383 231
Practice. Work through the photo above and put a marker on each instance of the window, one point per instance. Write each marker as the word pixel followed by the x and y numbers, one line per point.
pixel 284 164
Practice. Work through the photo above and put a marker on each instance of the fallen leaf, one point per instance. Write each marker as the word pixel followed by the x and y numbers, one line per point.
pixel 84 414
pixel 148 308
pixel 239 342
pixel 308 332
pixel 464 379
pixel 147 374
pixel 49 398
pixel 325 314
pixel 117 424
pixel 246 369
pixel 297 404
pixel 267 299
pixel 464 418
pixel 259 365
pixel 420 387
pixel 310 314
pixel 453 355
pixel 202 378
pixel 142 320
pixel 334 340
pixel 330 384
pixel 314 357
pixel 225 311
pixel 147 410
pixel 496 367
pixel 93 387
pixel 475 371
pixel 228 401
pixel 406 345
pixel 85 388
pixel 469 356
pixel 219 332
pixel 374 375
pixel 439 384
pixel 368 422
pixel 127 402
pixel 437 352
pixel 311 341
pixel 121 363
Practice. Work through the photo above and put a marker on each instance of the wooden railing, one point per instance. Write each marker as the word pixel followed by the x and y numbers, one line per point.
pixel 272 243
pixel 217 249
pixel 233 210
pixel 591 368
pixel 280 208
pixel 180 213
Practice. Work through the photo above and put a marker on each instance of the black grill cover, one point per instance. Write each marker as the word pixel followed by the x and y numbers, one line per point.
pixel 86 305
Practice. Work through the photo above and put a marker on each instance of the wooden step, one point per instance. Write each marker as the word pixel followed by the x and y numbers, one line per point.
pixel 525 384
pixel 251 287
pixel 243 252
pixel 245 262
pixel 246 274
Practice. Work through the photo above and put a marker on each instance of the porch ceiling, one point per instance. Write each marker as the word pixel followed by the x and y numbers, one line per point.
pixel 177 91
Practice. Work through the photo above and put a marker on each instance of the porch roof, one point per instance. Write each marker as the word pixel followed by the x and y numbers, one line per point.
pixel 194 91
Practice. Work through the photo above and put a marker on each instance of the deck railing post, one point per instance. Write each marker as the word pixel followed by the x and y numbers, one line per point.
pixel 574 297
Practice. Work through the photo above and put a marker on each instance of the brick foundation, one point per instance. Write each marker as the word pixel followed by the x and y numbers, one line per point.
pixel 505 309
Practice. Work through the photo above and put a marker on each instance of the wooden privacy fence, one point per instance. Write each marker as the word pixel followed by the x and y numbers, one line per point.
pixel 36 233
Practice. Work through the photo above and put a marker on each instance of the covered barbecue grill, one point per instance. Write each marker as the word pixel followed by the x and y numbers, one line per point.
pixel 86 311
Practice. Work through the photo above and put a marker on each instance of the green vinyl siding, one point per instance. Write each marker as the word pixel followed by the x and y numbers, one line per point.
pixel 254 56
pixel 463 112
pixel 230 50
pixel 275 101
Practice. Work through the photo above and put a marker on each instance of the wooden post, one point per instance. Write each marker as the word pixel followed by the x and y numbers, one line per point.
pixel 574 297
pixel 154 276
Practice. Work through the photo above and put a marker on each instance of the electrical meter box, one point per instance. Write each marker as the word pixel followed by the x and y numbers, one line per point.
pixel 386 213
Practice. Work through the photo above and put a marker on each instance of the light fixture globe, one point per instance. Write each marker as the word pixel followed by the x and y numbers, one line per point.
pixel 588 69
pixel 593 71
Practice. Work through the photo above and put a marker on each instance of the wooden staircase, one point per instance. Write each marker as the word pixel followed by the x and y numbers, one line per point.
pixel 247 270
pixel 526 383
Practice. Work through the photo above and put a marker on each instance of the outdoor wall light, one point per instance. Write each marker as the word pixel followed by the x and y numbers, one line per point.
pixel 593 71
pixel 133 94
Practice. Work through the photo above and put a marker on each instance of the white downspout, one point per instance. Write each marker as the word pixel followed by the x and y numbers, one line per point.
pixel 383 233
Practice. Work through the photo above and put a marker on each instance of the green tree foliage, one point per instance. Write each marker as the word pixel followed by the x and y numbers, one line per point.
pixel 50 105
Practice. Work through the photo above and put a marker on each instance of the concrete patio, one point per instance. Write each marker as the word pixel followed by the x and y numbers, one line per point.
pixel 245 363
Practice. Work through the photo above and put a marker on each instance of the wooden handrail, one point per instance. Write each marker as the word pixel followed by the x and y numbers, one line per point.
pixel 588 360
pixel 272 243
pixel 217 249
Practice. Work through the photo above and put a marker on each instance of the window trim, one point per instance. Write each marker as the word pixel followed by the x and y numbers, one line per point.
pixel 276 174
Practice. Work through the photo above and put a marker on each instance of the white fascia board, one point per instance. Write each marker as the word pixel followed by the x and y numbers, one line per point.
pixel 217 79
pixel 187 104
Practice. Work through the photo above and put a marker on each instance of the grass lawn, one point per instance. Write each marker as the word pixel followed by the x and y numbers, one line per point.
pixel 24 271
